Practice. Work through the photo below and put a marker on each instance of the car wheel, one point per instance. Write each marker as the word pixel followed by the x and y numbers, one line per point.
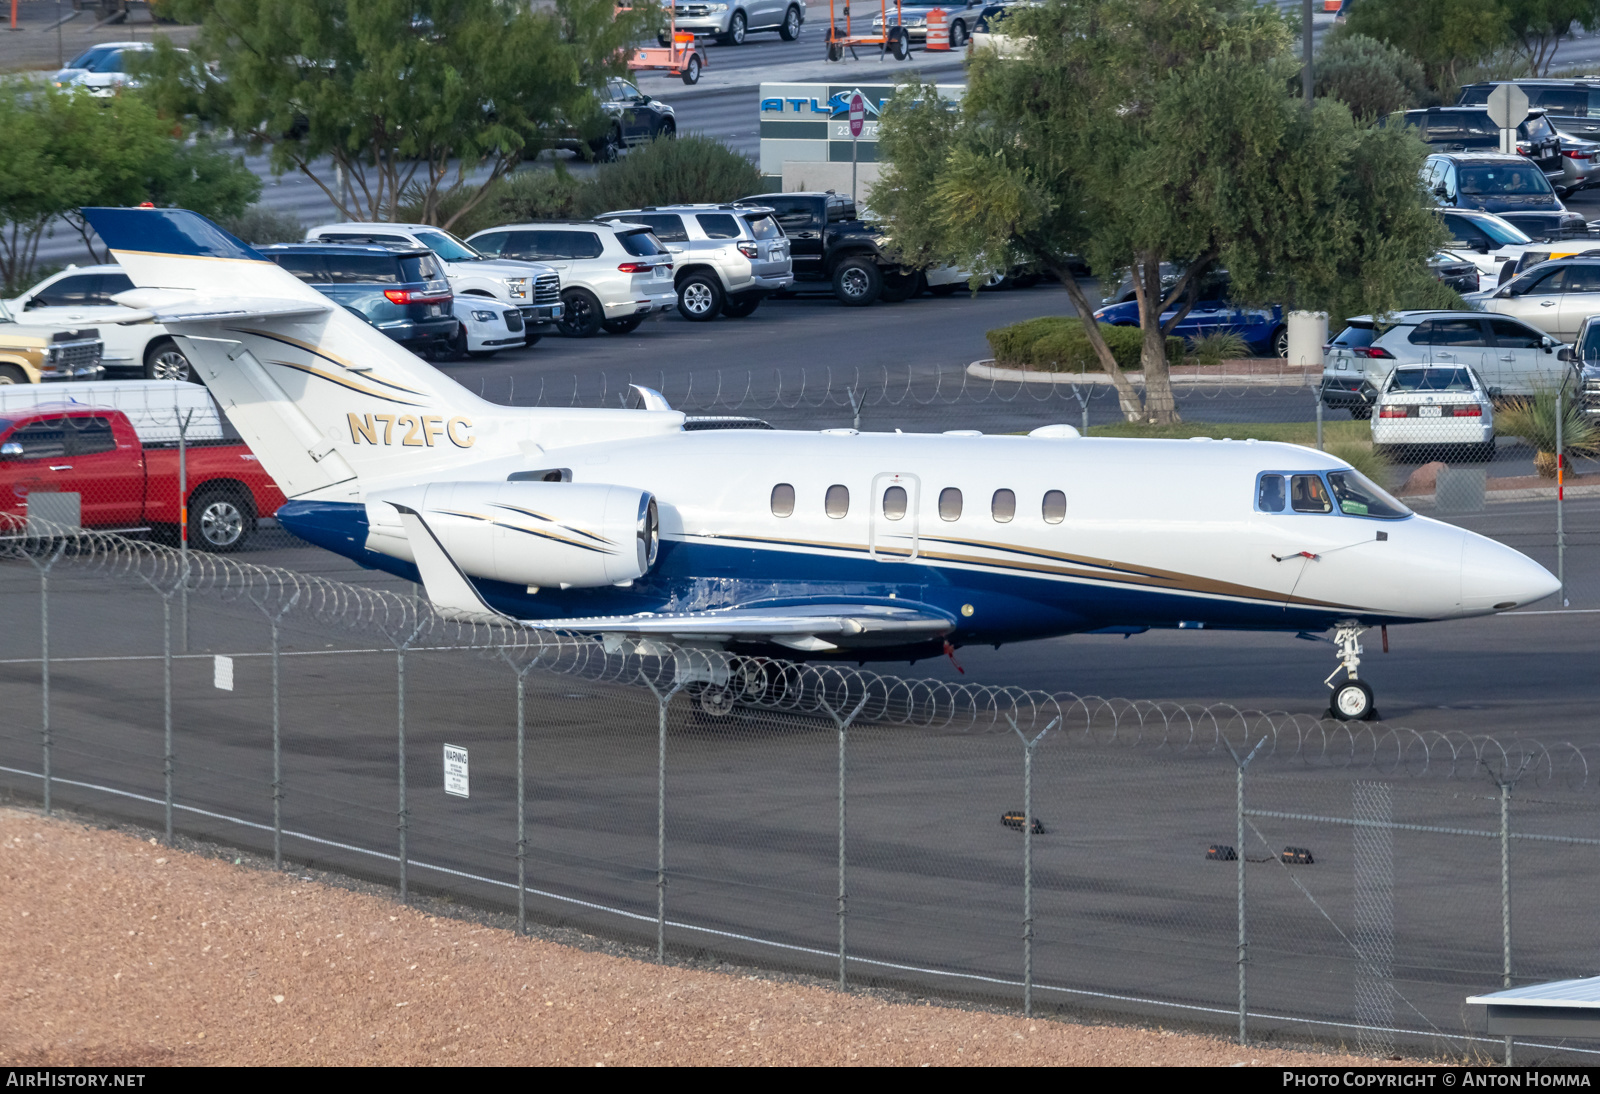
pixel 791 25
pixel 898 286
pixel 899 44
pixel 737 28
pixel 691 70
pixel 623 326
pixel 668 131
pixel 455 349
pixel 663 41
pixel 219 520
pixel 583 315
pixel 700 297
pixel 958 34
pixel 1280 342
pixel 835 51
pixel 165 361
pixel 737 307
pixel 611 147
pixel 857 282
pixel 11 374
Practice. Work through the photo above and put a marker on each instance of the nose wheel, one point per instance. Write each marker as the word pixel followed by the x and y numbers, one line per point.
pixel 1352 700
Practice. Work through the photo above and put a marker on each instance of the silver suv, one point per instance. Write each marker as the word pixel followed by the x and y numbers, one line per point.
pixel 612 275
pixel 729 257
pixel 730 22
pixel 1512 357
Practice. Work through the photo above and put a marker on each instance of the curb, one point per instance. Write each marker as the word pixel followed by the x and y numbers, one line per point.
pixel 986 371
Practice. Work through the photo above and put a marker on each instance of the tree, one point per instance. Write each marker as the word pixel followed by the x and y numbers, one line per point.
pixel 1372 78
pixel 1443 35
pixel 1140 135
pixel 67 149
pixel 1536 27
pixel 377 99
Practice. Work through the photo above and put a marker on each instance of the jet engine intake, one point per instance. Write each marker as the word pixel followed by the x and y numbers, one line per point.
pixel 558 534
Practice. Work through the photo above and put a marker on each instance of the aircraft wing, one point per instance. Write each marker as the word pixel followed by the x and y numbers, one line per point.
pixel 808 625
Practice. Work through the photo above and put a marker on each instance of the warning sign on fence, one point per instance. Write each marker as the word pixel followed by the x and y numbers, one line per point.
pixel 455 771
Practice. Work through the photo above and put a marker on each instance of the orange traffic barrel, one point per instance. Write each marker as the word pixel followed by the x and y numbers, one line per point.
pixel 1331 5
pixel 938 32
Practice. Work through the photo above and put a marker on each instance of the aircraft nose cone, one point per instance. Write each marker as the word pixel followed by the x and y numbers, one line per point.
pixel 1495 577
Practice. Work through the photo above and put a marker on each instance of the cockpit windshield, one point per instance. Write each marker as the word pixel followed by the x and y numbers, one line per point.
pixel 1356 495
pixel 1359 496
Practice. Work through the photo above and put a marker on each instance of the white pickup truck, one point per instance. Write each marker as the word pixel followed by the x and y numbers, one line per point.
pixel 532 288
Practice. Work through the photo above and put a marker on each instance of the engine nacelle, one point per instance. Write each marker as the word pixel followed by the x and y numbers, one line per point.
pixel 557 534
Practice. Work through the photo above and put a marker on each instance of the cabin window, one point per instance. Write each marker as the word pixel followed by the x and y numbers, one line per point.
pixel 838 501
pixel 949 504
pixel 783 500
pixel 1271 496
pixel 1055 507
pixel 894 503
pixel 1308 495
pixel 1004 506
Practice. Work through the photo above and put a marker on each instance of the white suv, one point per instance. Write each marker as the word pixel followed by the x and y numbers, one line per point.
pixel 729 257
pixel 730 22
pixel 612 275
pixel 80 296
pixel 532 288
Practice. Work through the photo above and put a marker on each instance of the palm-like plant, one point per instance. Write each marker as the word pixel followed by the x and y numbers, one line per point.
pixel 1217 347
pixel 1533 418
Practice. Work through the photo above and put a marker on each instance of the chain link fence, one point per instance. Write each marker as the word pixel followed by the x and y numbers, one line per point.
pixel 1264 875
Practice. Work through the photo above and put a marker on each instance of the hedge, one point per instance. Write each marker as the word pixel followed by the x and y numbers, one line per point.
pixel 1058 344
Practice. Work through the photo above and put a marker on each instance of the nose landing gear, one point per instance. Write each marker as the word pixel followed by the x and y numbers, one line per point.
pixel 1352 700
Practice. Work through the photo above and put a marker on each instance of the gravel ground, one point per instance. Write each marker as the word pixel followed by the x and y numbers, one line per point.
pixel 122 952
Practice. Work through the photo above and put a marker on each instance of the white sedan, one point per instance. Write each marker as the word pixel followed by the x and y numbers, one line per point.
pixel 1434 410
pixel 487 327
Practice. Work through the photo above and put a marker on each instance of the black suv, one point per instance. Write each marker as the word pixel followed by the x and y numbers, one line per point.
pixel 829 242
pixel 1469 129
pixel 1510 186
pixel 400 290
pixel 1572 106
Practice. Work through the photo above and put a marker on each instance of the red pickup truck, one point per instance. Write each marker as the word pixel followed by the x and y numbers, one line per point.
pixel 94 455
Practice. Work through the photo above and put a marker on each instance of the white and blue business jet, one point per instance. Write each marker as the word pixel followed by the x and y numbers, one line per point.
pixel 638 526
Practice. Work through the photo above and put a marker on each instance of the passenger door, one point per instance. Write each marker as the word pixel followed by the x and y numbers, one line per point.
pixel 1580 300
pixel 1538 302
pixel 105 467
pixel 38 467
pixel 1461 341
pixel 1519 363
pixel 892 529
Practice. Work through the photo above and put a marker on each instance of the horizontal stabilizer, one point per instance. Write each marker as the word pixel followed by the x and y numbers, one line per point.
pixel 174 307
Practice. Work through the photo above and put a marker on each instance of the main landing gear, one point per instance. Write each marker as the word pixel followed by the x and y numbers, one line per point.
pixel 1352 700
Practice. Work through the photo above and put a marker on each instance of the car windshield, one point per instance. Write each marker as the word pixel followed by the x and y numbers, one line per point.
pixel 447 246
pixel 1359 496
pixel 1502 232
pixel 1502 179
pixel 90 57
pixel 1430 379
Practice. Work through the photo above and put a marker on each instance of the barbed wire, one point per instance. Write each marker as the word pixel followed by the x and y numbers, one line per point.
pixel 722 683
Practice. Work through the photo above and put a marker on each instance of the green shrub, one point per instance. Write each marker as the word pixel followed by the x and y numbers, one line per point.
pixel 1218 346
pixel 668 172
pixel 1058 344
pixel 1373 78
pixel 1534 420
pixel 260 225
